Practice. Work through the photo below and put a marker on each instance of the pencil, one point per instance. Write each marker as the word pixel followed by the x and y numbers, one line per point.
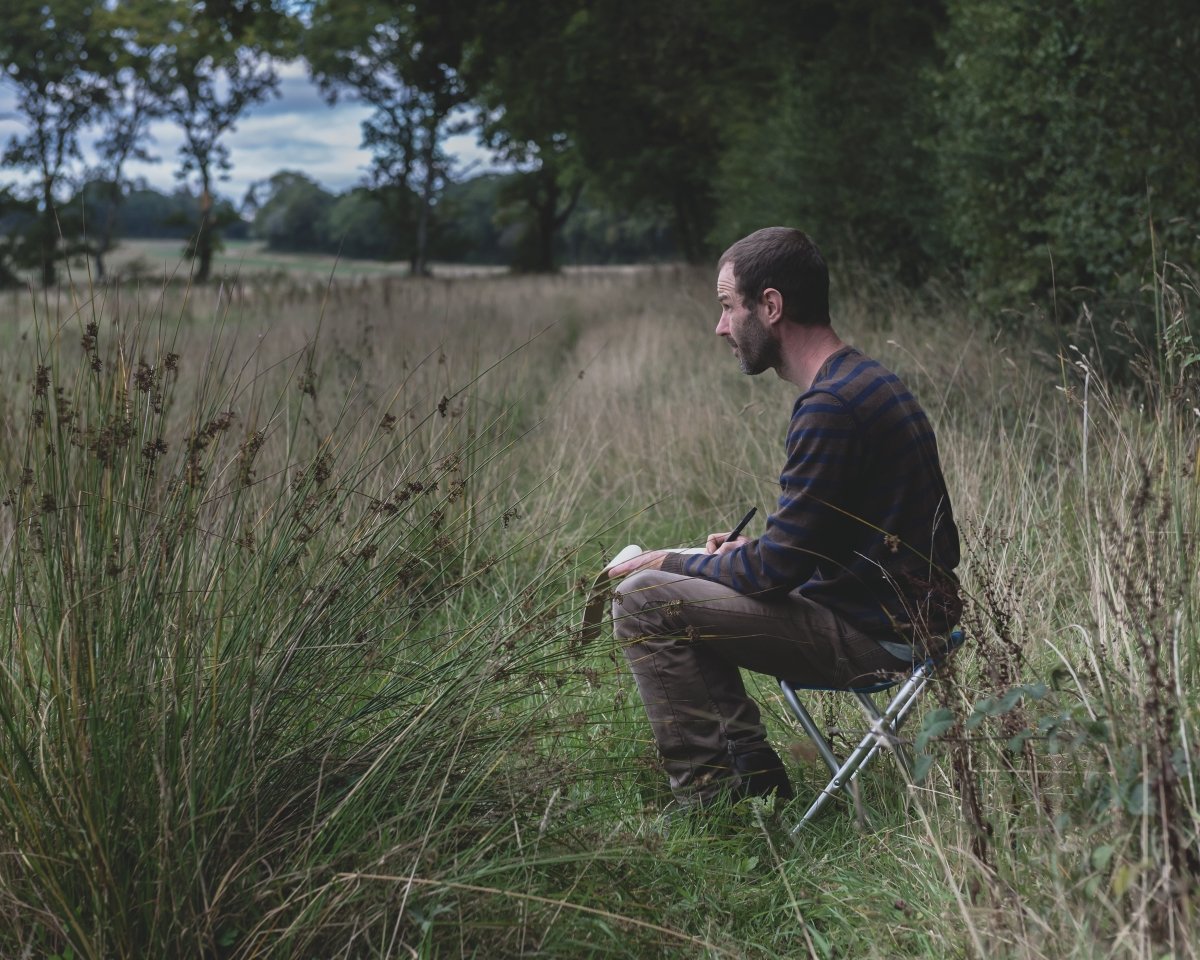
pixel 741 525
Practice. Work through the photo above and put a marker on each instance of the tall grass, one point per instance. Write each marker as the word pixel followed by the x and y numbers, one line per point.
pixel 293 665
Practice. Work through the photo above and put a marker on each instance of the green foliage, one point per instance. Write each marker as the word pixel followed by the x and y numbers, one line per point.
pixel 19 249
pixel 133 100
pixel 208 66
pixel 145 212
pixel 472 231
pixel 405 62
pixel 294 213
pixel 527 120
pixel 652 87
pixel 837 143
pixel 57 61
pixel 1043 152
pixel 1065 132
pixel 357 223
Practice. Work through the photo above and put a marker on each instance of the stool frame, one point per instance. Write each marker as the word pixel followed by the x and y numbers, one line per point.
pixel 883 726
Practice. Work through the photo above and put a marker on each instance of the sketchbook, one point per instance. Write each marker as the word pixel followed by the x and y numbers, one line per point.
pixel 593 611
pixel 633 550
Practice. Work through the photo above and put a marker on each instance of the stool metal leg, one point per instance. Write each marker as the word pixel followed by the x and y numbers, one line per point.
pixel 883 728
pixel 811 728
pixel 872 711
pixel 890 738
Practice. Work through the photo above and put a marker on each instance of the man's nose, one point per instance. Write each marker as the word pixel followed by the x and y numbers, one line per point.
pixel 722 326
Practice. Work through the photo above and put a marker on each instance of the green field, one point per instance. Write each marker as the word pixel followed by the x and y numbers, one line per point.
pixel 294 666
pixel 250 258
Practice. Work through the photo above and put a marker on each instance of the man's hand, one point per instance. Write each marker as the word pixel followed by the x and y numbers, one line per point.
pixel 650 560
pixel 717 543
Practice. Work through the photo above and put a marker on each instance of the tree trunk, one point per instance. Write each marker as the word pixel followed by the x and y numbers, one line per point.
pixel 104 242
pixel 548 220
pixel 545 209
pixel 49 238
pixel 204 244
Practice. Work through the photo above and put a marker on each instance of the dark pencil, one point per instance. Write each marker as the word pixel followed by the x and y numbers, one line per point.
pixel 741 525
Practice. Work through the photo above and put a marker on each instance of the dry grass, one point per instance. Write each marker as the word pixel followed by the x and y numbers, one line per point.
pixel 451 773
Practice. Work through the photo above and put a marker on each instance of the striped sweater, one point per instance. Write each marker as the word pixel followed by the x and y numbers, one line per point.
pixel 863 525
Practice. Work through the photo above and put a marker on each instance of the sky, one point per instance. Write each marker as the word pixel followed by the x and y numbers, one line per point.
pixel 298 130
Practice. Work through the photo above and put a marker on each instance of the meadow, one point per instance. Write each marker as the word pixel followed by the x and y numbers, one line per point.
pixel 293 665
pixel 151 259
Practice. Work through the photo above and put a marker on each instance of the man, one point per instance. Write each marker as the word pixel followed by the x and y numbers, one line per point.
pixel 852 577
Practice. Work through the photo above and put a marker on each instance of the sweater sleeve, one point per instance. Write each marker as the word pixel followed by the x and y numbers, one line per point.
pixel 823 455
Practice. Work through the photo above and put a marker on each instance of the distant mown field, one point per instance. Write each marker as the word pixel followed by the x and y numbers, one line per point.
pixel 158 257
pixel 294 665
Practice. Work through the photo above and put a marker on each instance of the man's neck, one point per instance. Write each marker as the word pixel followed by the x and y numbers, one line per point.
pixel 805 351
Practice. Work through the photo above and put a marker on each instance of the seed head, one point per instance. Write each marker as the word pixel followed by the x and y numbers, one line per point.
pixel 246 454
pixel 143 377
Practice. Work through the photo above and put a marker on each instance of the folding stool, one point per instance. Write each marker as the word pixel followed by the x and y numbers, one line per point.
pixel 883 727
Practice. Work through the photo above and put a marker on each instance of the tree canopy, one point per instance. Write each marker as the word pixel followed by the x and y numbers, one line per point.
pixel 1018 146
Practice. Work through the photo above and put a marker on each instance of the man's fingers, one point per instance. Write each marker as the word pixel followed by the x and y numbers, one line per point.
pixel 730 545
pixel 714 541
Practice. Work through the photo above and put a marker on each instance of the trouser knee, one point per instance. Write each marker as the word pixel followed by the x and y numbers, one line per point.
pixel 648 604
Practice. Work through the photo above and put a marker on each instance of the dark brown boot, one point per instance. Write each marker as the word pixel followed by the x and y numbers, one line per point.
pixel 762 773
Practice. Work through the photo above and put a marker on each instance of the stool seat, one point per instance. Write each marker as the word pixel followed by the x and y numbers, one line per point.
pixel 814 688
pixel 883 725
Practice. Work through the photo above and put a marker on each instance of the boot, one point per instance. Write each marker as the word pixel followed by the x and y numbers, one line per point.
pixel 761 773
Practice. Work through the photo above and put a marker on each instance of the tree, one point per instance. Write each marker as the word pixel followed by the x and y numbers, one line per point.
pixel 213 62
pixel 147 213
pixel 839 141
pixel 56 61
pixel 404 60
pixel 648 86
pixel 541 192
pixel 132 103
pixel 19 247
pixel 469 207
pixel 1067 128
pixel 294 213
pixel 358 226
pixel 518 75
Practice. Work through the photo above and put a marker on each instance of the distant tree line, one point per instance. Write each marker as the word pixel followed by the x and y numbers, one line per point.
pixel 1018 145
pixel 478 221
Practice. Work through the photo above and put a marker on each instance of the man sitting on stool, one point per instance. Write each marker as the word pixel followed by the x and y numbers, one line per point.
pixel 853 575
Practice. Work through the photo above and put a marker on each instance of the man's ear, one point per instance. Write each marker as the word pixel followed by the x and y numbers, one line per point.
pixel 772 305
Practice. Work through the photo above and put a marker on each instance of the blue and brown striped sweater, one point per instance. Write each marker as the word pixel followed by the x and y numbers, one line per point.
pixel 863 525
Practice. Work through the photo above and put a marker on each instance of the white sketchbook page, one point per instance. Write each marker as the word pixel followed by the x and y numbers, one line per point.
pixel 633 550
pixel 598 596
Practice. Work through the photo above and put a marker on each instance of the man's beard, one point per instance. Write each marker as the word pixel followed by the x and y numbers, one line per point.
pixel 757 349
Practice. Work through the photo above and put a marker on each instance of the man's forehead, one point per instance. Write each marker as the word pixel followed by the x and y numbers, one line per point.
pixel 726 282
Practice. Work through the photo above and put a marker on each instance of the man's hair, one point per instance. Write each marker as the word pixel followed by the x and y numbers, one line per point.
pixel 789 261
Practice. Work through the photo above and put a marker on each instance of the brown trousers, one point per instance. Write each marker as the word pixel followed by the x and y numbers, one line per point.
pixel 685 639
